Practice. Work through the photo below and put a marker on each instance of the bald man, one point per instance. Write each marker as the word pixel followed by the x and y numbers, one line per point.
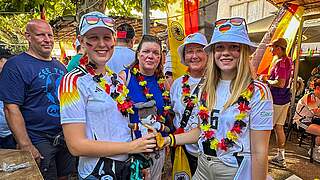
pixel 29 88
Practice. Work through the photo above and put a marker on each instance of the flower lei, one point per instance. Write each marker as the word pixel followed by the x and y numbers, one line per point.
pixel 208 133
pixel 165 94
pixel 120 92
pixel 189 100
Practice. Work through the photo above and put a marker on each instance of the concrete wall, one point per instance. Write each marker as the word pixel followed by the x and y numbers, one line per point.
pixel 251 10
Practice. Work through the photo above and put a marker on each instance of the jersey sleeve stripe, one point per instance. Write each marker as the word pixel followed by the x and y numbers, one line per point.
pixel 265 94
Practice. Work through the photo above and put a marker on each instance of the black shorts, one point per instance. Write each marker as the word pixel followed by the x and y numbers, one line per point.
pixel 8 142
pixel 57 160
pixel 111 169
pixel 305 125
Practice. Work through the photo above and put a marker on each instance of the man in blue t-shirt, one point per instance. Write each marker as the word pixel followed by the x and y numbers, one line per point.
pixel 29 89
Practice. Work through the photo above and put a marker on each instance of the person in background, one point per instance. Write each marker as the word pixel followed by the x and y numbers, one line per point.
pixel 6 138
pixel 167 67
pixel 184 91
pixel 29 89
pixel 235 110
pixel 123 54
pixel 74 62
pixel 95 107
pixel 307 114
pixel 279 83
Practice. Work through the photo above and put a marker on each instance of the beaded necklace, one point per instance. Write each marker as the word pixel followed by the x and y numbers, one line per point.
pixel 165 94
pixel 208 131
pixel 120 93
pixel 187 98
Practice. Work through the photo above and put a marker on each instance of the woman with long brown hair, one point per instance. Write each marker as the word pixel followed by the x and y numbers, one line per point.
pixel 146 84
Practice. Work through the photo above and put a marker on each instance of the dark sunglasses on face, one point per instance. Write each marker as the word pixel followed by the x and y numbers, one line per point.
pixel 94 19
pixel 236 21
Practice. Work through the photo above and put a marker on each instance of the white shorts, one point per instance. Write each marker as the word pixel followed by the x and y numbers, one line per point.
pixel 280 113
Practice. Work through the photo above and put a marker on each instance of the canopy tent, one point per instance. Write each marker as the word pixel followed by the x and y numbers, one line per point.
pixel 311 6
pixel 311 29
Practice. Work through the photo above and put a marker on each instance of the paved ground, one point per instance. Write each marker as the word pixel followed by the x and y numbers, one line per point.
pixel 298 164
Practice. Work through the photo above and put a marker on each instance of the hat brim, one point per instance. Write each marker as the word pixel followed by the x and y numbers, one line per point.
pixel 181 49
pixel 180 52
pixel 230 38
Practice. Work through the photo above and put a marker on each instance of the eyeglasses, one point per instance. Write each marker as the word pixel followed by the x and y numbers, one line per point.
pixel 236 21
pixel 94 19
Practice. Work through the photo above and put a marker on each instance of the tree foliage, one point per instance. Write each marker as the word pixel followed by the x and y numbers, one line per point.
pixel 14 14
pixel 12 30
pixel 54 8
pixel 126 7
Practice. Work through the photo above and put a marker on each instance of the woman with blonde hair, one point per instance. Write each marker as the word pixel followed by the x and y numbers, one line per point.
pixel 235 111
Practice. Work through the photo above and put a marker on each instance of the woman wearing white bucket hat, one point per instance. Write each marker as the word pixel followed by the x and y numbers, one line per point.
pixel 184 91
pixel 235 110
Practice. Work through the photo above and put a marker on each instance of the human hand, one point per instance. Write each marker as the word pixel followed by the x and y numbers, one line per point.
pixel 144 144
pixel 33 150
pixel 167 141
pixel 263 78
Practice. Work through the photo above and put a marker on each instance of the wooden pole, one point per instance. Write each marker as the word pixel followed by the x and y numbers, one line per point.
pixel 146 17
pixel 296 71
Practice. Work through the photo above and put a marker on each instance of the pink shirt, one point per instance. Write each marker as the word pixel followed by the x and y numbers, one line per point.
pixel 282 69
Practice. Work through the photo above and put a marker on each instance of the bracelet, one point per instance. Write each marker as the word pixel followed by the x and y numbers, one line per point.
pixel 172 140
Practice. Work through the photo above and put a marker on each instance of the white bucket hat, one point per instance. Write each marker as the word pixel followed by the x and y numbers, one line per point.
pixel 95 19
pixel 230 30
pixel 196 38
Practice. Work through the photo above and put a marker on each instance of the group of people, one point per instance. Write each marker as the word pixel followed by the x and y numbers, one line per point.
pixel 114 106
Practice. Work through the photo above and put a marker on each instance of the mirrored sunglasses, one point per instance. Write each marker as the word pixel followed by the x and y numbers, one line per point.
pixel 236 21
pixel 94 19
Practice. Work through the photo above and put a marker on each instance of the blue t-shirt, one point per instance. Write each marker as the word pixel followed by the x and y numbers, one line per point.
pixel 136 95
pixel 121 57
pixel 4 129
pixel 33 84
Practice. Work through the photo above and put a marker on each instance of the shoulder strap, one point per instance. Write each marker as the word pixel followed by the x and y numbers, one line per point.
pixel 300 112
pixel 187 111
pixel 128 76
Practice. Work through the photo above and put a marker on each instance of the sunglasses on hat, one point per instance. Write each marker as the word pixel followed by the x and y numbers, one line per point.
pixel 236 21
pixel 94 19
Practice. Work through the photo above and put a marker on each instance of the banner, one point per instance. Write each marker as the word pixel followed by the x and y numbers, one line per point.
pixel 183 19
pixel 180 169
pixel 42 12
pixel 285 25
pixel 63 54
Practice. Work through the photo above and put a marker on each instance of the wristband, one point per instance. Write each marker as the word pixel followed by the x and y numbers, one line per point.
pixel 172 140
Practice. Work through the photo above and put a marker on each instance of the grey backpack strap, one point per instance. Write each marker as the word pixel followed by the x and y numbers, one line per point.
pixel 128 77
